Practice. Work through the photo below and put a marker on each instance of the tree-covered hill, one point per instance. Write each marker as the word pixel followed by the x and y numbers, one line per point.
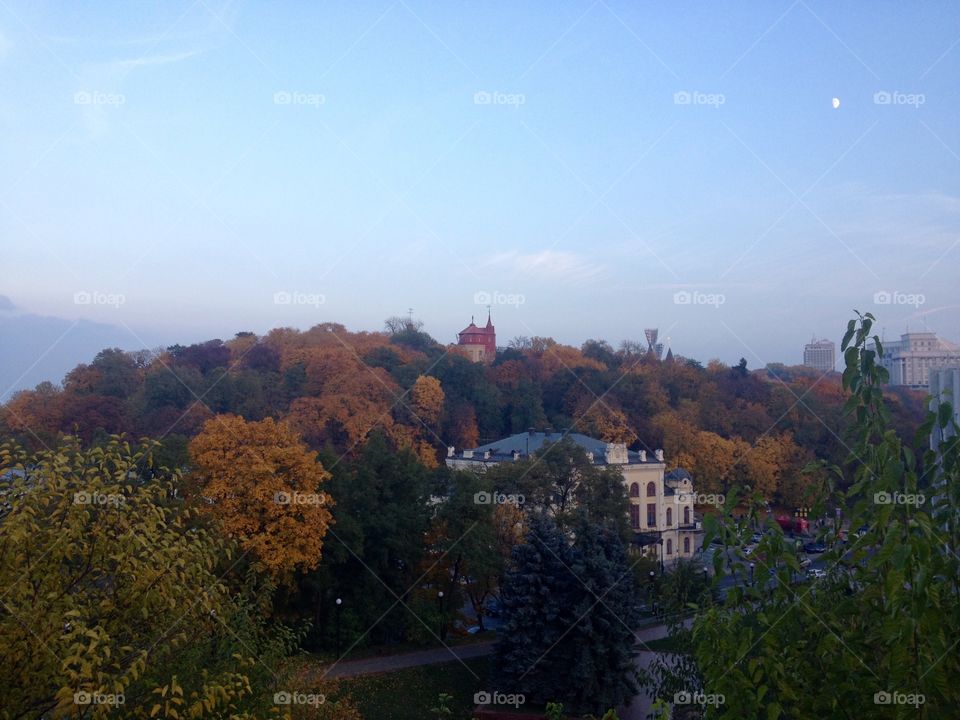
pixel 728 425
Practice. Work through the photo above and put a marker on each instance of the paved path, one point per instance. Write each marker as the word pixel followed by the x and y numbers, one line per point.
pixel 389 663
pixel 435 656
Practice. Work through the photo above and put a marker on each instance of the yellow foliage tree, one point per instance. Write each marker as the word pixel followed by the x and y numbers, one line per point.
pixel 111 592
pixel 427 397
pixel 264 485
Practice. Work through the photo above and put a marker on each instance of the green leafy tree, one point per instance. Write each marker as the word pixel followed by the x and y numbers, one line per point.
pixel 372 551
pixel 562 481
pixel 114 597
pixel 877 636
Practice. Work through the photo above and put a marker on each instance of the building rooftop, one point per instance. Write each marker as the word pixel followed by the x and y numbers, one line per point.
pixel 472 328
pixel 523 445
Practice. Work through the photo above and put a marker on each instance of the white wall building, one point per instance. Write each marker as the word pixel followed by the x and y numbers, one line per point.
pixel 911 359
pixel 661 503
pixel 820 355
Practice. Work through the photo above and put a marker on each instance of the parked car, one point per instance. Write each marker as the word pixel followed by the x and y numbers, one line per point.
pixel 817 573
pixel 815 547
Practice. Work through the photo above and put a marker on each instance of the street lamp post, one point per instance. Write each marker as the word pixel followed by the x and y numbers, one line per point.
pixel 653 602
pixel 440 608
pixel 339 605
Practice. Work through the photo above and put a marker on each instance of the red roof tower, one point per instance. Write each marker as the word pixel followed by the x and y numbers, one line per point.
pixel 480 343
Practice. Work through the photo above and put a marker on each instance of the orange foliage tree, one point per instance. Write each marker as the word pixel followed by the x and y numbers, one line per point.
pixel 264 485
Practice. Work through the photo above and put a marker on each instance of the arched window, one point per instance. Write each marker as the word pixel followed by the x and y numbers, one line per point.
pixel 634 489
pixel 669 547
pixel 686 546
pixel 686 516
pixel 669 517
pixel 651 490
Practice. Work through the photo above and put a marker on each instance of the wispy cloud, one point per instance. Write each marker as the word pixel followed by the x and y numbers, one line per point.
pixel 125 65
pixel 547 264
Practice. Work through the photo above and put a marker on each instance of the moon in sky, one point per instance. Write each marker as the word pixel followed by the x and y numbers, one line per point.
pixel 836 103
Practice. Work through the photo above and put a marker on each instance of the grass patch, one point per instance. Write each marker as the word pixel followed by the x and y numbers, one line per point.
pixel 409 694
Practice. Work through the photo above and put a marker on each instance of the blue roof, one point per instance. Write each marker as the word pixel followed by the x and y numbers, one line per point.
pixel 528 443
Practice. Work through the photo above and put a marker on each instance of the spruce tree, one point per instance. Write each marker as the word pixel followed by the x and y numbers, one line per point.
pixel 569 609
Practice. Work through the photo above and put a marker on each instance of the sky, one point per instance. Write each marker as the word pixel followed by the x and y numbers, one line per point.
pixel 741 176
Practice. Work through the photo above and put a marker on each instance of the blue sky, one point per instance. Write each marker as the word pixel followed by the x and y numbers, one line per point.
pixel 594 168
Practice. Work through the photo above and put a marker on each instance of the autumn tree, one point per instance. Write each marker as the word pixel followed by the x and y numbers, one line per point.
pixel 264 485
pixel 427 397
pixel 597 419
